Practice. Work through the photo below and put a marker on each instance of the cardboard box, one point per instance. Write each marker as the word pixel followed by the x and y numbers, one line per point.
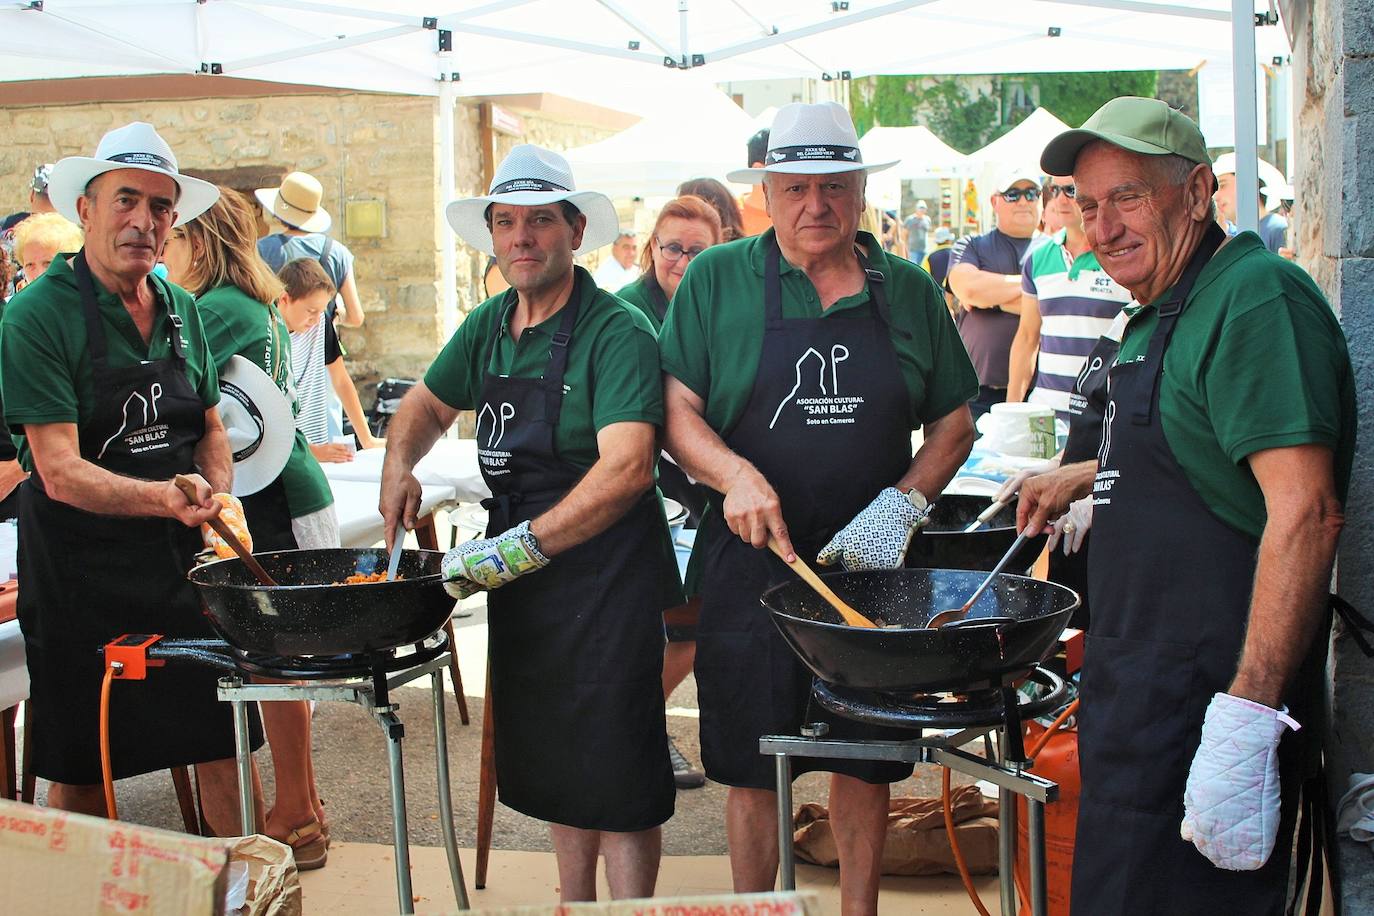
pixel 53 862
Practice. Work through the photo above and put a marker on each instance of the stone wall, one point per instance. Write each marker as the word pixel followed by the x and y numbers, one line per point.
pixel 359 145
pixel 1333 57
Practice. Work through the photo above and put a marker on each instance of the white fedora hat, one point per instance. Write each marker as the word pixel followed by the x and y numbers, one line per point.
pixel 297 202
pixel 133 146
pixel 531 176
pixel 257 417
pixel 814 139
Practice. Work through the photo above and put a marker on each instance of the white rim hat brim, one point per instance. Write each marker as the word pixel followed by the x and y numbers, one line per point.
pixel 70 177
pixel 468 219
pixel 806 167
pixel 304 220
pixel 259 423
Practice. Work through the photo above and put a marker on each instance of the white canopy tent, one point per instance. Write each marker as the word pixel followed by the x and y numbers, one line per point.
pixel 703 134
pixel 921 155
pixel 610 52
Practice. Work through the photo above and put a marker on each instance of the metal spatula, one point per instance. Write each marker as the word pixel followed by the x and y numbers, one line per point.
pixel 953 614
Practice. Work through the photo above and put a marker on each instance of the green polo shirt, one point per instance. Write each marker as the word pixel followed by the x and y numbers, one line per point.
pixel 712 338
pixel 45 363
pixel 646 295
pixel 1257 361
pixel 612 375
pixel 236 324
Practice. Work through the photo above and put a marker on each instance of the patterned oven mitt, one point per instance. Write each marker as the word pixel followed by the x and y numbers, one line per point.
pixel 231 513
pixel 1231 801
pixel 492 562
pixel 877 538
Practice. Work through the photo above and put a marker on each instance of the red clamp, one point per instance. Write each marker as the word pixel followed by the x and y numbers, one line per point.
pixel 130 651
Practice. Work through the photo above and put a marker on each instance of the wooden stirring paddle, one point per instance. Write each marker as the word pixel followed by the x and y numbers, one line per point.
pixel 851 616
pixel 188 487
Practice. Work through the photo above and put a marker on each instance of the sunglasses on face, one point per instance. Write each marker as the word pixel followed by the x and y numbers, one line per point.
pixel 673 252
pixel 1015 194
pixel 1068 190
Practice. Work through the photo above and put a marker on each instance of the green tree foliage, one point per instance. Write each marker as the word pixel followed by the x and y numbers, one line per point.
pixel 968 121
pixel 1072 97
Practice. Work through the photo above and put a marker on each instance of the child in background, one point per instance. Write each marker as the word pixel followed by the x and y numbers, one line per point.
pixel 317 360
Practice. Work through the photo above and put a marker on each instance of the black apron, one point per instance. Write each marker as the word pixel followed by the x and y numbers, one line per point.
pixel 1167 631
pixel 1087 406
pixel 90 578
pixel 577 647
pixel 827 443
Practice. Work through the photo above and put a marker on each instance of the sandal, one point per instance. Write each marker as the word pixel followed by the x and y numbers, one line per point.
pixel 308 845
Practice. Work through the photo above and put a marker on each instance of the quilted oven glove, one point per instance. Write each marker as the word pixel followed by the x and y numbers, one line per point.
pixel 1231 801
pixel 231 513
pixel 492 562
pixel 877 538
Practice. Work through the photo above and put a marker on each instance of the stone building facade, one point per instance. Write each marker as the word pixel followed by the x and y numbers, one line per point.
pixel 361 146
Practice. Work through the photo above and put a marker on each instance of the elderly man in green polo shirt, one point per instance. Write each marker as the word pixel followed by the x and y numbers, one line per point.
pixel 1217 504
pixel 796 366
pixel 110 388
pixel 565 381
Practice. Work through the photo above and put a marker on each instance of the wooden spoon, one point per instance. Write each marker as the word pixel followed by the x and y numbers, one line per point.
pixel 851 616
pixel 944 617
pixel 188 487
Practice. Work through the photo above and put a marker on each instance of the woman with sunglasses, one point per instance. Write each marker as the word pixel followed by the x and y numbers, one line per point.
pixel 215 258
pixel 686 226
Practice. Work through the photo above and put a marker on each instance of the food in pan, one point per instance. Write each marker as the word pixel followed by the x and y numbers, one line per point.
pixel 364 578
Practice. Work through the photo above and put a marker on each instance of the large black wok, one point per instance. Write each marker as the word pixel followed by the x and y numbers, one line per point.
pixel 306 614
pixel 1009 631
pixel 942 544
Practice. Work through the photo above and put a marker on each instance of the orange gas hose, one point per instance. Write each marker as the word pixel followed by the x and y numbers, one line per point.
pixel 106 769
pixel 1057 724
pixel 954 845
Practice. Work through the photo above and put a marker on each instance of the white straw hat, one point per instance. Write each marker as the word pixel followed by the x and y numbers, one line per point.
pixel 133 146
pixel 297 202
pixel 531 176
pixel 257 418
pixel 814 139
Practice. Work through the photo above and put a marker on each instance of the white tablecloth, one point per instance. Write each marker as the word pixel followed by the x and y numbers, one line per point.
pixel 14 673
pixel 355 501
pixel 451 463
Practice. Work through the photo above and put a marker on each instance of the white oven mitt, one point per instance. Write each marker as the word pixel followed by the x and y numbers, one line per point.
pixel 876 538
pixel 492 562
pixel 1231 801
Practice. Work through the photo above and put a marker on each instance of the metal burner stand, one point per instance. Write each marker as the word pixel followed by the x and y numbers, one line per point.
pixel 374 697
pixel 1008 774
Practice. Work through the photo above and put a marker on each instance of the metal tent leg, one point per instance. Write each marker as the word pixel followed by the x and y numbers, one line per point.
pixel 455 868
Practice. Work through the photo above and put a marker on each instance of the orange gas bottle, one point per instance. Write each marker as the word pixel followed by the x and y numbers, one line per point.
pixel 1058 762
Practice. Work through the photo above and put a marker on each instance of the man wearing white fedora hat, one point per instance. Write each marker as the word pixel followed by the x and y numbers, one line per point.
pixel 111 390
pixel 565 381
pixel 797 364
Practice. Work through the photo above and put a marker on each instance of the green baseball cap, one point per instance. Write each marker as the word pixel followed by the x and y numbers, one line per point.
pixel 1146 126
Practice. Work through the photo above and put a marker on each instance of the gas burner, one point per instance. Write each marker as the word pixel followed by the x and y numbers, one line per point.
pixel 313 667
pixel 983 708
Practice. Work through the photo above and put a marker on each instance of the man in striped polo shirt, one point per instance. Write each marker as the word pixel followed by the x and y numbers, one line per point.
pixel 1067 303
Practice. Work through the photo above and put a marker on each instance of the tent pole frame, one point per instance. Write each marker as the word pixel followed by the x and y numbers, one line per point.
pixel 1244 96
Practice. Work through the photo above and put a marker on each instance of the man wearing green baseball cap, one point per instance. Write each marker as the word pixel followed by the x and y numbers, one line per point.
pixel 1217 500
